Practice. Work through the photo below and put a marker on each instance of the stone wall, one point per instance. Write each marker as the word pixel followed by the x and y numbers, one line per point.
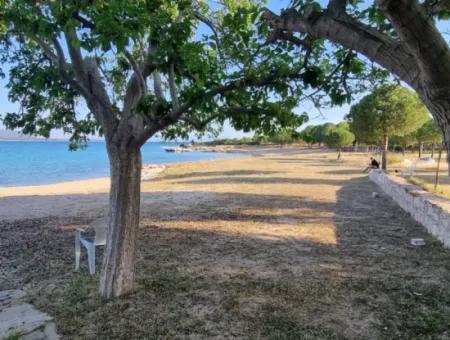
pixel 429 210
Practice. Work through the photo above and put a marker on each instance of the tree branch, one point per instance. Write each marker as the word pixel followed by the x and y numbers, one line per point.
pixel 436 7
pixel 99 105
pixel 156 125
pixel 61 64
pixel 229 112
pixel 136 70
pixel 419 33
pixel 137 85
pixel 351 34
pixel 337 7
pixel 75 55
pixel 85 22
pixel 136 89
pixel 173 87
pixel 157 85
pixel 288 36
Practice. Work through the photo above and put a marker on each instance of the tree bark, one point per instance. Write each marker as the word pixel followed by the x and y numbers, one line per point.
pixel 447 147
pixel 420 149
pixel 439 106
pixel 339 154
pixel 117 276
pixel 385 152
pixel 432 150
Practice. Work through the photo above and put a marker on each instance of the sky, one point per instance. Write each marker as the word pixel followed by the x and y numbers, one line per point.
pixel 335 114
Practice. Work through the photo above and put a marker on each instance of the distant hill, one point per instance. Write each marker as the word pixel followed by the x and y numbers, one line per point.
pixel 13 135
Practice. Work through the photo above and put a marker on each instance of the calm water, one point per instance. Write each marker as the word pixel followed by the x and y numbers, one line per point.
pixel 28 163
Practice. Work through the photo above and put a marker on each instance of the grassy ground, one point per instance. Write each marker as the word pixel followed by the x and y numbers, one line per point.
pixel 425 175
pixel 276 247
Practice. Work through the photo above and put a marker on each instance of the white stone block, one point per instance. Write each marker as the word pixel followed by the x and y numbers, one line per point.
pixel 422 205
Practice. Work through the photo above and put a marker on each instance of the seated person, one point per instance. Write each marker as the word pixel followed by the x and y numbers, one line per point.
pixel 373 165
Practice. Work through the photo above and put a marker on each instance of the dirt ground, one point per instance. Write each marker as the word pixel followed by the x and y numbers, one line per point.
pixel 277 246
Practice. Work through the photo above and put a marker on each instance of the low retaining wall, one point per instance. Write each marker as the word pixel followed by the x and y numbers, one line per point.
pixel 429 210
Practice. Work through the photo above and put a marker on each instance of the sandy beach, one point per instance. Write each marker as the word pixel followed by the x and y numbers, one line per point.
pixel 288 243
pixel 74 198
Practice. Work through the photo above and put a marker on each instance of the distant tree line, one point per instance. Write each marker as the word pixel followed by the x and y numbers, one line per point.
pixel 336 136
pixel 281 136
pixel 391 117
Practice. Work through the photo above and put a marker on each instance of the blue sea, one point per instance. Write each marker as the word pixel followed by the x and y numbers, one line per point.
pixel 44 162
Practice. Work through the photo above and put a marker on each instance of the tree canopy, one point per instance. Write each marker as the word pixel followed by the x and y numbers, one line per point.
pixel 307 135
pixel 390 110
pixel 339 137
pixel 429 133
pixel 54 46
pixel 405 140
pixel 321 131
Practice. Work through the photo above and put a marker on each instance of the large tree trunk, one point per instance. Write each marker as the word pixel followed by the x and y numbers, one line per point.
pixel 385 151
pixel 438 102
pixel 447 148
pixel 117 276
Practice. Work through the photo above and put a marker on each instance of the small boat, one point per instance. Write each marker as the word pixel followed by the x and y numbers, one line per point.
pixel 177 149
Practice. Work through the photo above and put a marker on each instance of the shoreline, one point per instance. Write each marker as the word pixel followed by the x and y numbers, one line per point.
pixel 102 175
pixel 96 185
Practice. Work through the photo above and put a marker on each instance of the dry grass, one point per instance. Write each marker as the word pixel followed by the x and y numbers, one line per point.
pixel 425 174
pixel 276 247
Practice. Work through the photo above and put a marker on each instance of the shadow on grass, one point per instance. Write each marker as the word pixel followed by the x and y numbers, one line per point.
pixel 208 282
pixel 264 180
pixel 343 172
pixel 216 174
pixel 405 288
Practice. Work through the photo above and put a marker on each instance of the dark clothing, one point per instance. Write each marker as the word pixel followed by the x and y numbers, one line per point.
pixel 375 164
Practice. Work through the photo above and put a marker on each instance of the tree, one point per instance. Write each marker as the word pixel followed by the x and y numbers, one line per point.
pixel 404 141
pixel 307 135
pixel 390 110
pixel 321 131
pixel 128 70
pixel 429 133
pixel 283 136
pixel 399 35
pixel 338 138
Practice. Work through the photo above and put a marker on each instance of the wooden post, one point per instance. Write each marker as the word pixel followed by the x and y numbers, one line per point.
pixel 436 181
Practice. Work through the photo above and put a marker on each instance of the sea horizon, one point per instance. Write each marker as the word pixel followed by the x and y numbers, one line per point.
pixel 40 162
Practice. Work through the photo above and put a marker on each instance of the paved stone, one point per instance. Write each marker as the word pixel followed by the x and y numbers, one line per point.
pixel 9 297
pixel 48 333
pixel 20 318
